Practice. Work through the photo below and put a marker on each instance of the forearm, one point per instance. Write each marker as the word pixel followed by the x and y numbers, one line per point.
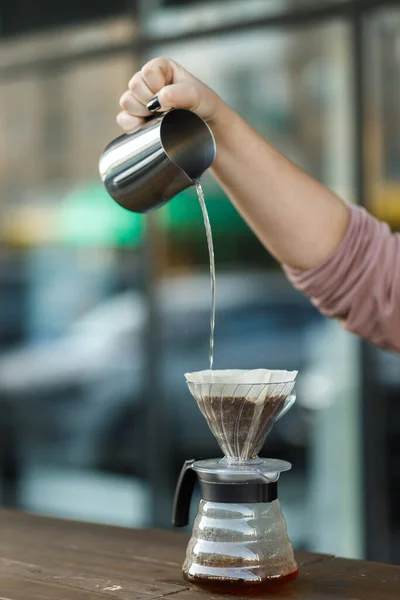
pixel 295 217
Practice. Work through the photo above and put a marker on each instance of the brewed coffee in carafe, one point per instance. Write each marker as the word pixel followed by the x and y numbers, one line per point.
pixel 239 543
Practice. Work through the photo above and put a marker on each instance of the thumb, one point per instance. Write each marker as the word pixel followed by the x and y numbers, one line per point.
pixel 177 95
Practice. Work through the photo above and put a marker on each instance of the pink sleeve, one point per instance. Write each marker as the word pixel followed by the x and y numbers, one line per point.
pixel 359 284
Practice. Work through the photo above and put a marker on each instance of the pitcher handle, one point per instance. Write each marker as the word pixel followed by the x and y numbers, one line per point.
pixel 290 400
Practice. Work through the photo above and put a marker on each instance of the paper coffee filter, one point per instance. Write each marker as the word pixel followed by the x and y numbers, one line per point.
pixel 241 376
pixel 235 378
pixel 241 406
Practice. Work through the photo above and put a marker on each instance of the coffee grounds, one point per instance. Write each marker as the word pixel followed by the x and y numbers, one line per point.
pixel 241 424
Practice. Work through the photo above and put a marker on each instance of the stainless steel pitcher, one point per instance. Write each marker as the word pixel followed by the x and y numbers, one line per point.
pixel 144 169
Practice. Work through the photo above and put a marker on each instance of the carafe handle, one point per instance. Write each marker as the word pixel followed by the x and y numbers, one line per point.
pixel 183 494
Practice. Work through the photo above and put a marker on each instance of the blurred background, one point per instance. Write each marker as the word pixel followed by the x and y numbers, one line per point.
pixel 102 311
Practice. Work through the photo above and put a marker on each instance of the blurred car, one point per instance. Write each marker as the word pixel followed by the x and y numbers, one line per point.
pixel 82 399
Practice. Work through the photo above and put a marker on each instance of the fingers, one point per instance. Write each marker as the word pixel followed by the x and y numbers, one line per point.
pixel 140 90
pixel 135 99
pixel 179 95
pixel 131 105
pixel 158 73
pixel 161 85
pixel 144 85
pixel 128 122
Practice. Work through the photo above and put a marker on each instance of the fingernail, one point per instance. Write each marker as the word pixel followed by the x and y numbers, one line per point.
pixel 153 105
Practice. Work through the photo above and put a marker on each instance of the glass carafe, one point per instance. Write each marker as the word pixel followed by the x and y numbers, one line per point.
pixel 239 542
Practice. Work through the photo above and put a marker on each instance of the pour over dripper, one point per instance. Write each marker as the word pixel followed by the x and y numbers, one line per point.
pixel 241 407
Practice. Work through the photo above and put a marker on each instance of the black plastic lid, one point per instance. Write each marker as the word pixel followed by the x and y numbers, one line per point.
pixel 239 493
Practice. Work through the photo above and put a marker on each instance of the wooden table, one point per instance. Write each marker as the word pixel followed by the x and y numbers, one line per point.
pixel 43 559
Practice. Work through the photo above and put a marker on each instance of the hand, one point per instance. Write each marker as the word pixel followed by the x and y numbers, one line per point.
pixel 164 80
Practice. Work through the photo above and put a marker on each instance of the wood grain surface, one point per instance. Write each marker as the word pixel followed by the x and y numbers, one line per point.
pixel 43 559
